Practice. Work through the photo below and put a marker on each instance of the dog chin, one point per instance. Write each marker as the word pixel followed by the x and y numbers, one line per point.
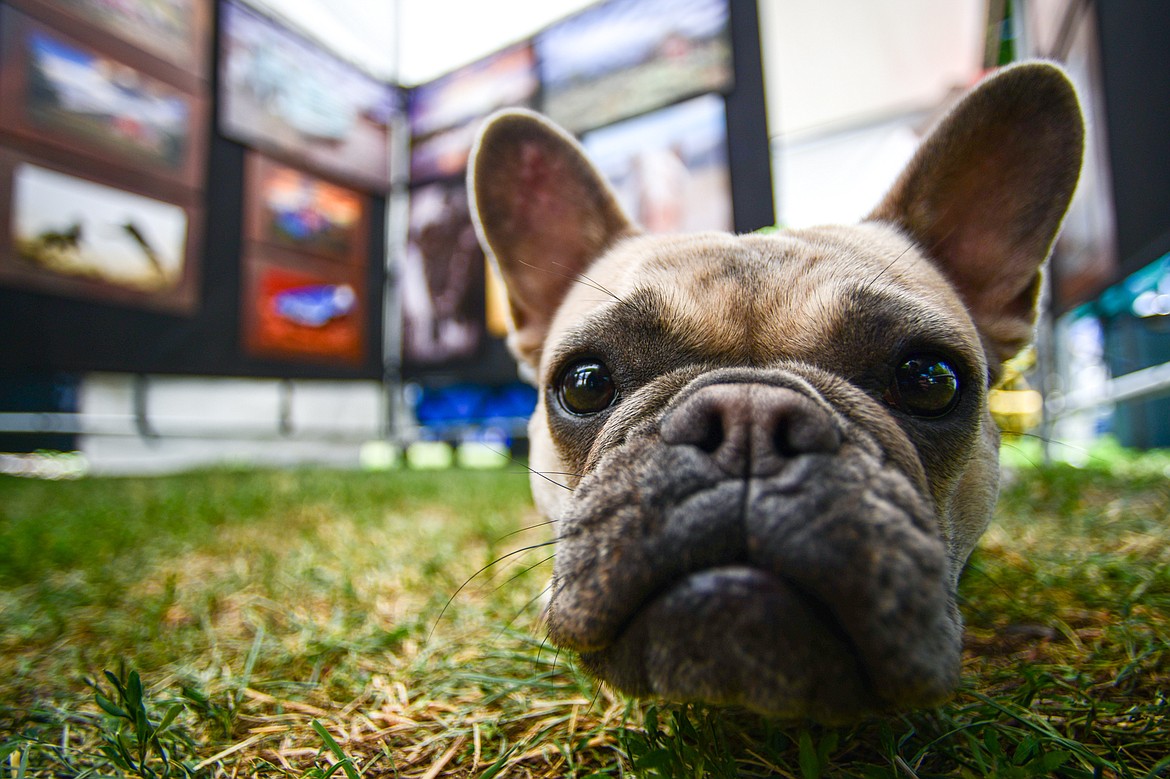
pixel 744 637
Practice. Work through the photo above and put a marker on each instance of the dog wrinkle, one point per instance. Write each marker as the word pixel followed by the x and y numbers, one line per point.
pixel 732 304
pixel 604 569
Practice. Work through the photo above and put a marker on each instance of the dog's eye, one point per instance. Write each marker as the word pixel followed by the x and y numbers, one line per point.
pixel 924 385
pixel 586 387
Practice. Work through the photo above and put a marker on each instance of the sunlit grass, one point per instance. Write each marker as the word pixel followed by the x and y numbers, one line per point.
pixel 278 606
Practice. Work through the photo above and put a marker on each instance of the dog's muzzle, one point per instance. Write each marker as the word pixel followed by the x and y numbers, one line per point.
pixel 756 547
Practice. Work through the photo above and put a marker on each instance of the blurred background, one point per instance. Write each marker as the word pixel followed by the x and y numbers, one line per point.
pixel 237 232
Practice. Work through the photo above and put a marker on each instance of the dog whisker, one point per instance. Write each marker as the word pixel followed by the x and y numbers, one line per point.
pixel 547 523
pixel 499 572
pixel 527 605
pixel 473 576
pixel 514 577
pixel 1057 442
pixel 572 276
pixel 869 284
pixel 596 695
pixel 597 286
pixel 1035 466
pixel 530 470
pixel 551 480
pixel 542 269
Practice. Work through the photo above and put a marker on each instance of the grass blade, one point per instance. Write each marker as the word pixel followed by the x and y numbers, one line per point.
pixel 343 760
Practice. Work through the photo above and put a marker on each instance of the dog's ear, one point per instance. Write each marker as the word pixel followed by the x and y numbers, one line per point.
pixel 986 193
pixel 543 213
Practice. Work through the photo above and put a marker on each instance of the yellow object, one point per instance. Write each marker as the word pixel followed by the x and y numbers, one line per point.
pixel 475 455
pixel 379 456
pixel 1016 411
pixel 498 313
pixel 1016 407
pixel 430 455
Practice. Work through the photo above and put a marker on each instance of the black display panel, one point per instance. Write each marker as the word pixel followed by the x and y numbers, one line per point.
pixel 1135 75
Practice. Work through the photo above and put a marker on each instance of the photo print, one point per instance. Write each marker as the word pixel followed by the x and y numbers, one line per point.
pixel 670 167
pixel 294 210
pixel 626 57
pixel 61 93
pixel 283 94
pixel 441 279
pixel 445 114
pixel 302 311
pixel 174 31
pixel 70 236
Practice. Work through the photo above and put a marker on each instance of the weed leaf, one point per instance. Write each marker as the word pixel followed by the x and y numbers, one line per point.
pixel 110 707
pixel 810 764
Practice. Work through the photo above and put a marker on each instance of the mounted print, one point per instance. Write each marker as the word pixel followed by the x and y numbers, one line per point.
pixel 669 167
pixel 293 210
pixel 67 235
pixel 301 311
pixel 281 94
pixel 441 280
pixel 626 57
pixel 60 93
pixel 445 113
pixel 174 31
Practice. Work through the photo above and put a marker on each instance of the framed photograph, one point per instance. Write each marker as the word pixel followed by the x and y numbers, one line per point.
pixel 296 309
pixel 670 167
pixel 441 279
pixel 58 92
pixel 445 113
pixel 281 94
pixel 506 78
pixel 177 32
pixel 64 234
pixel 626 57
pixel 293 210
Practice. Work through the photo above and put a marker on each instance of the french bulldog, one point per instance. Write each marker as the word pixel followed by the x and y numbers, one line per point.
pixel 767 457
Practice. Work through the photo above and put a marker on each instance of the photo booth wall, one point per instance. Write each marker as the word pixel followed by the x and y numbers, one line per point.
pixel 204 191
pixel 667 98
pixel 197 190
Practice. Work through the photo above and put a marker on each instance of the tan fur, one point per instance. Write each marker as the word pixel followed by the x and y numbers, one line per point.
pixel 758 517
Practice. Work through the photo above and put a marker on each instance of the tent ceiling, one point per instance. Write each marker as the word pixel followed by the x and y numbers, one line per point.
pixel 828 63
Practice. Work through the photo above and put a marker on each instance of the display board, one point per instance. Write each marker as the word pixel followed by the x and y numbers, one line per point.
pixel 626 57
pixel 137 237
pixel 282 93
pixel 669 167
pixel 73 236
pixel 667 99
pixel 197 188
pixel 1135 80
pixel 64 94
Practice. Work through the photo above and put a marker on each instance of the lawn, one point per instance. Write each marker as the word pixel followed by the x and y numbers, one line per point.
pixel 315 623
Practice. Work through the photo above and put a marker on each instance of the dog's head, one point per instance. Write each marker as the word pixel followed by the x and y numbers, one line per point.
pixel 775 450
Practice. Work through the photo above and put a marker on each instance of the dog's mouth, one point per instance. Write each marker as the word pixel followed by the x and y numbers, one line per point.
pixel 739 635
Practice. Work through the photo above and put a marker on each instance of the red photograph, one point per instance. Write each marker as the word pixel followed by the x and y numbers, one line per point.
pixel 291 310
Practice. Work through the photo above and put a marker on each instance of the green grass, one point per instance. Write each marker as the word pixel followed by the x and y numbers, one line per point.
pixel 300 623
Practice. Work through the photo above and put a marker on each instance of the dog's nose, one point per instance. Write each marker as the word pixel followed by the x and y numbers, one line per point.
pixel 751 429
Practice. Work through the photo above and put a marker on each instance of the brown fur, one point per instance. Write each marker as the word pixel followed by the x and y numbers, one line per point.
pixel 756 519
